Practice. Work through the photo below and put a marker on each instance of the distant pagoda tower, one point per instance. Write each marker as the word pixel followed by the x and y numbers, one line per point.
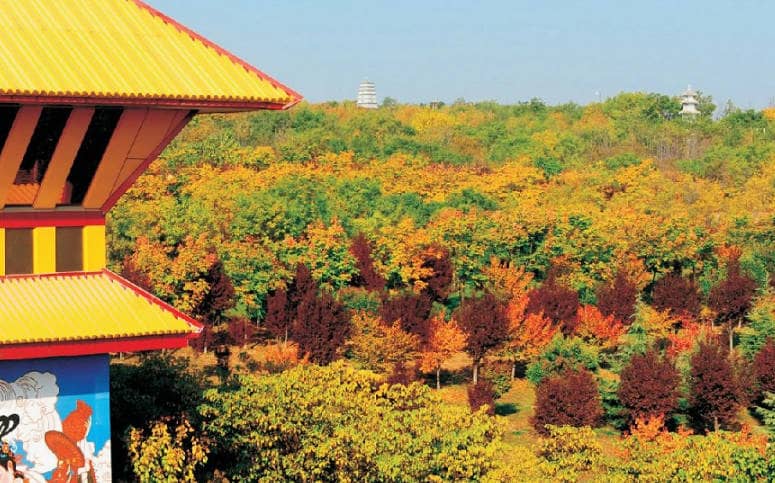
pixel 367 95
pixel 689 103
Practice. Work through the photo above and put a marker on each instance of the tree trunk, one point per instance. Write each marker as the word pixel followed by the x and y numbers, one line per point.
pixel 731 337
pixel 285 341
pixel 513 370
pixel 476 371
pixel 715 423
pixel 438 377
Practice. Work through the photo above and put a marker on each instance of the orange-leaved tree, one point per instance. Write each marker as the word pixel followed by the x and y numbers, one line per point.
pixel 597 328
pixel 445 340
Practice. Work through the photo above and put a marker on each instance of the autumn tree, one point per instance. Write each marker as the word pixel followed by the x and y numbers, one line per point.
pixel 321 327
pixel 367 276
pixel 618 298
pixel 713 389
pixel 764 366
pixel 438 263
pixel 649 386
pixel 731 298
pixel 446 339
pixel 377 345
pixel 219 298
pixel 558 303
pixel 569 399
pixel 283 304
pixel 485 324
pixel 601 330
pixel 411 310
pixel 528 336
pixel 677 295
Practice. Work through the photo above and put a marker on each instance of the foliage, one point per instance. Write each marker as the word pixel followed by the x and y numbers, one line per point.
pixel 446 339
pixel 367 276
pixel 321 328
pixel 714 392
pixel 767 411
pixel 338 424
pixel 570 451
pixel 485 324
pixel 166 454
pixel 160 386
pixel 481 394
pixel 592 326
pixel 618 298
pixel 563 354
pixel 649 387
pixel 764 366
pixel 760 327
pixel 411 311
pixel 378 346
pixel 677 295
pixel 556 302
pixel 569 399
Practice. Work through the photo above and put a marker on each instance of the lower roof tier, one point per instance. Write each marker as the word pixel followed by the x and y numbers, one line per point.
pixel 79 313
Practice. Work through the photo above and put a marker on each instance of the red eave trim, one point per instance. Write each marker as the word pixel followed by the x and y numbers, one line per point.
pixel 210 106
pixel 90 347
pixel 297 97
pixel 32 219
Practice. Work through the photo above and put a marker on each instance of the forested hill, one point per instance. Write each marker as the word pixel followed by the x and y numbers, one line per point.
pixel 585 189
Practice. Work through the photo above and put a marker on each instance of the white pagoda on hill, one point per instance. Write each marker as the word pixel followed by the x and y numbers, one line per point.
pixel 689 103
pixel 367 95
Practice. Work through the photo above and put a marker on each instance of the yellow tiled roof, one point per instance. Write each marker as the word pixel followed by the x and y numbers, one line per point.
pixel 81 307
pixel 122 49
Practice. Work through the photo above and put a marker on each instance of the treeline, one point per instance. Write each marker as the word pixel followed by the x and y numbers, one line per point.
pixel 617 256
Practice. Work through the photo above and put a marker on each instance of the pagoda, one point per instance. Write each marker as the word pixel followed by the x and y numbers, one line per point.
pixel 689 103
pixel 367 95
pixel 91 92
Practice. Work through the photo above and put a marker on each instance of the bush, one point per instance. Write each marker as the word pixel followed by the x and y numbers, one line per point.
pixel 481 394
pixel 618 298
pixel 649 387
pixel 569 451
pixel 570 399
pixel 556 302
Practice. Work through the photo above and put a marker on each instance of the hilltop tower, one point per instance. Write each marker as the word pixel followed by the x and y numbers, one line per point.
pixel 91 92
pixel 367 95
pixel 689 103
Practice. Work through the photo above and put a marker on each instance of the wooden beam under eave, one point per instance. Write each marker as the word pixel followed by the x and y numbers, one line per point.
pixel 54 180
pixel 113 159
pixel 15 147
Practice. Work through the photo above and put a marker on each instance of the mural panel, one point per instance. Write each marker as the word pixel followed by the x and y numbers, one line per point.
pixel 55 420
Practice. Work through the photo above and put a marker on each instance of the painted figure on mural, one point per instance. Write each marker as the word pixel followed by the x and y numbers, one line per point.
pixel 50 439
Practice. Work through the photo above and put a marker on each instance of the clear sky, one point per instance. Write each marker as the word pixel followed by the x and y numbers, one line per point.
pixel 508 51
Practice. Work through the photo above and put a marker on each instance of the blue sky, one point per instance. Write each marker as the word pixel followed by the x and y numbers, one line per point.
pixel 508 51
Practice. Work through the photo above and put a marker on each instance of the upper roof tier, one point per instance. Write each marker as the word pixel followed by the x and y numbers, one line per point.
pixel 123 52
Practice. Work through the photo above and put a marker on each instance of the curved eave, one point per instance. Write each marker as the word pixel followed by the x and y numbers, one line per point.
pixel 39 350
pixel 218 105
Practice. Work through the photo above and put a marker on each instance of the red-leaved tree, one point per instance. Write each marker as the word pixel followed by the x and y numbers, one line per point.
pixel 557 303
pixel 282 305
pixel 411 310
pixel 649 387
pixel 321 327
pixel 714 393
pixel 732 297
pixel 676 294
pixel 437 260
pixel 568 399
pixel 764 366
pixel 486 325
pixel 367 276
pixel 618 298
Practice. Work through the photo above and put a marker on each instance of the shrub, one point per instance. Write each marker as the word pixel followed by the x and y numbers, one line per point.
pixel 570 399
pixel 480 394
pixel 676 294
pixel 713 391
pixel 649 386
pixel 570 450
